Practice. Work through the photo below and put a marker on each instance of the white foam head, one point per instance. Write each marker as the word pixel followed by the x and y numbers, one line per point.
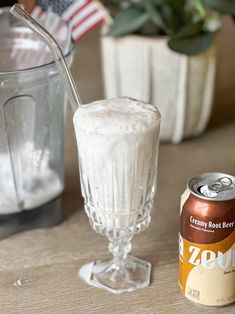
pixel 116 116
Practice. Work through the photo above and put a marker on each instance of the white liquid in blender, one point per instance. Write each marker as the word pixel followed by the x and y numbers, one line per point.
pixel 42 186
pixel 117 144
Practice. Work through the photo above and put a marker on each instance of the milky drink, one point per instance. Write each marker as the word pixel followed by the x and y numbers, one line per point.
pixel 118 145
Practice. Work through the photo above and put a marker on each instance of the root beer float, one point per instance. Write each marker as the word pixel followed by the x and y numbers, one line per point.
pixel 207 240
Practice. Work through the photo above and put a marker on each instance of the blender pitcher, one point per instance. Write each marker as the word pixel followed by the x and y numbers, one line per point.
pixel 32 115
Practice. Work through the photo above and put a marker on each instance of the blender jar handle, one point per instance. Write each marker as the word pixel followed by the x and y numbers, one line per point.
pixel 19 115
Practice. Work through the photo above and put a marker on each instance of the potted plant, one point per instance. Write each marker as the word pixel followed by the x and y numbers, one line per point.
pixel 164 52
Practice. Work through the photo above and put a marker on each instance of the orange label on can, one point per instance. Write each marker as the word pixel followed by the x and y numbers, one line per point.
pixel 207 272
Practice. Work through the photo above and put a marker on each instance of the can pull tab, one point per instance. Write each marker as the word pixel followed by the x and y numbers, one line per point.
pixel 221 184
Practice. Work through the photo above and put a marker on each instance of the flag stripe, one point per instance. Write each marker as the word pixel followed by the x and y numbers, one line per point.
pixel 83 13
pixel 85 26
pixel 72 9
pixel 89 29
pixel 86 18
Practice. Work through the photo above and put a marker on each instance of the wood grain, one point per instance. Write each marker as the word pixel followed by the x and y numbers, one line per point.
pixel 39 269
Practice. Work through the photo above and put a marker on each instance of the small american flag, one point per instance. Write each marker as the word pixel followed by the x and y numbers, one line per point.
pixel 84 15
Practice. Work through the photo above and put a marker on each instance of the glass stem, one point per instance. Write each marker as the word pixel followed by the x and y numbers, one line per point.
pixel 120 244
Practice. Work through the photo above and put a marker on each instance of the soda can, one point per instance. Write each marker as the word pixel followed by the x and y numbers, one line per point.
pixel 207 240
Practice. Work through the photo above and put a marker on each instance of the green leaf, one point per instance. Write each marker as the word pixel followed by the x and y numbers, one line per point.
pixel 176 4
pixel 156 17
pixel 192 45
pixel 128 21
pixel 189 31
pixel 223 6
pixel 169 17
pixel 149 29
pixel 156 2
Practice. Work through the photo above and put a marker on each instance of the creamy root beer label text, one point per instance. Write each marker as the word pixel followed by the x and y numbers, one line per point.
pixel 210 224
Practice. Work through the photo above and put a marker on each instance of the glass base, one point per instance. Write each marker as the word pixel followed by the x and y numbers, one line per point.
pixel 118 277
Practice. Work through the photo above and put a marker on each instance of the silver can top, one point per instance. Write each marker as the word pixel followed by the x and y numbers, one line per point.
pixel 213 186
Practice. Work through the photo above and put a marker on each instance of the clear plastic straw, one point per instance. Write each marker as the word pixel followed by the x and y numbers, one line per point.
pixel 55 49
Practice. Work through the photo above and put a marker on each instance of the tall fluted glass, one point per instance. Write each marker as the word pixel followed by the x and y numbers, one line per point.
pixel 118 147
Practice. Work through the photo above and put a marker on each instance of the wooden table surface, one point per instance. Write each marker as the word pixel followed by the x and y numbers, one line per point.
pixel 39 268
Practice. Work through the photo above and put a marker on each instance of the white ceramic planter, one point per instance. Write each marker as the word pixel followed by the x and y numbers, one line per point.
pixel 181 87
